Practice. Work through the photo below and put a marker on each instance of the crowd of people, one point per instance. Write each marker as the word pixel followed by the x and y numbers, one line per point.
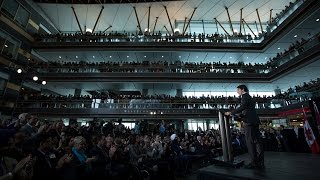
pixel 146 66
pixel 147 37
pixel 106 100
pixel 38 149
pixel 81 66
pixel 311 86
pixel 294 50
pixel 285 12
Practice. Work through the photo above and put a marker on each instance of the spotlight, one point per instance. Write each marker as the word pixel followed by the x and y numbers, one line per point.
pixel 44 82
pixel 19 71
pixel 35 78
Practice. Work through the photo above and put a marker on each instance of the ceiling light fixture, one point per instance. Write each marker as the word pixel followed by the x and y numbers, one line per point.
pixel 76 56
pixel 278 48
pixel 247 57
pixel 59 57
pixel 317 20
pixel 128 56
pixel 145 56
pixel 19 71
pixel 93 56
pixel 35 78
pixel 295 36
pixel 179 56
pixel 230 57
pixel 110 56
pixel 5 45
pixel 197 57
pixel 162 56
pixel 44 82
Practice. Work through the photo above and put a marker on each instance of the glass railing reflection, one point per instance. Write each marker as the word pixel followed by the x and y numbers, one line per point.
pixel 94 105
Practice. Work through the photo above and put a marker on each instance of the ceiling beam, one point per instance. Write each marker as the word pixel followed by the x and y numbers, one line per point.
pixel 95 24
pixel 184 31
pixel 139 26
pixel 74 12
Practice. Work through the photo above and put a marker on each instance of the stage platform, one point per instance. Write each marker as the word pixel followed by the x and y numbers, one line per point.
pixel 279 166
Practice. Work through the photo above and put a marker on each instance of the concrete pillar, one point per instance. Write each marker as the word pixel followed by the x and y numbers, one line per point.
pixel 77 92
pixel 145 92
pixel 277 91
pixel 207 124
pixel 179 93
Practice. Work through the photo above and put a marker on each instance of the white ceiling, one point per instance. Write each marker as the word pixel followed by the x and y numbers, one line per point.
pixel 122 16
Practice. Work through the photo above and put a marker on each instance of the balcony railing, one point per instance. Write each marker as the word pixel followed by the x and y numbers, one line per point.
pixel 179 67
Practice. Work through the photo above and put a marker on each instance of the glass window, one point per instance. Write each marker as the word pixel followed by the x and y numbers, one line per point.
pixel 22 16
pixel 10 8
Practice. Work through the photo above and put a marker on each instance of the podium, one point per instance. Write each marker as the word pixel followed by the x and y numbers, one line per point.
pixel 227 158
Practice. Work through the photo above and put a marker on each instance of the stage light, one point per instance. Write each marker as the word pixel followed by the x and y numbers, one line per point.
pixel 35 78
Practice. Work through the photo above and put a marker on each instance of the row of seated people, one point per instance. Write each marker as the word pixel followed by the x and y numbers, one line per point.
pixel 37 150
pixel 34 149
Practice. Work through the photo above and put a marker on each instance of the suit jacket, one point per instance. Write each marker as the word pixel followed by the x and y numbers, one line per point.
pixel 199 148
pixel 248 111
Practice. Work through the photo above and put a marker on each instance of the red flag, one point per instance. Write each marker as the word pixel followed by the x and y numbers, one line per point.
pixel 310 138
pixel 317 113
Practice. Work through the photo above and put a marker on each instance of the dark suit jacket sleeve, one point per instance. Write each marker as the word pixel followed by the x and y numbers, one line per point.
pixel 244 104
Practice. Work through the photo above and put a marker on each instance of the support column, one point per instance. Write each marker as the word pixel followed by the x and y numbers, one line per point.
pixel 179 93
pixel 208 124
pixel 277 91
pixel 77 92
pixel 144 92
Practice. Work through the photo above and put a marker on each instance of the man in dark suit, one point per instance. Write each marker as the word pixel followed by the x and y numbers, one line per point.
pixel 251 123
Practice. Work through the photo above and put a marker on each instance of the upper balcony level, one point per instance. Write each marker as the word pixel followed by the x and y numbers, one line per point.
pixel 215 36
pixel 297 56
